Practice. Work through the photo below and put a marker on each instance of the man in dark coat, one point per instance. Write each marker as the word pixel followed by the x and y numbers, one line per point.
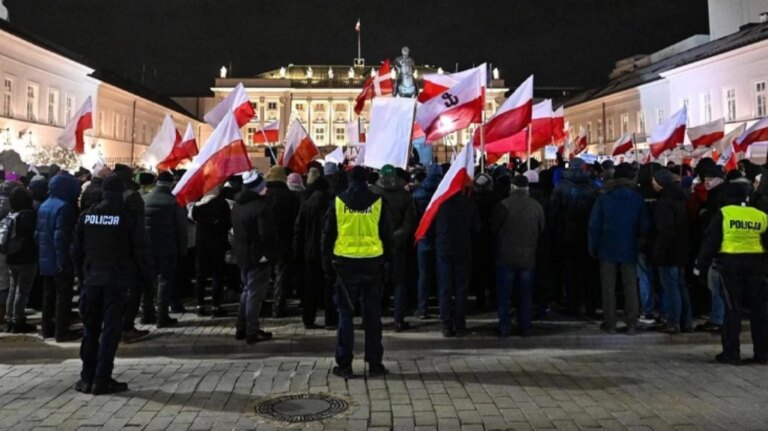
pixel 619 219
pixel 285 207
pixel 166 223
pixel 402 213
pixel 670 250
pixel 22 261
pixel 213 220
pixel 516 223
pixel 425 249
pixel 254 246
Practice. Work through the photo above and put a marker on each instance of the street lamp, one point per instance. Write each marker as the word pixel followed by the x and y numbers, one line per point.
pixel 282 72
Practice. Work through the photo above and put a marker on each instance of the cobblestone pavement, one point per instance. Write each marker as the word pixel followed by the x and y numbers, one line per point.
pixel 592 381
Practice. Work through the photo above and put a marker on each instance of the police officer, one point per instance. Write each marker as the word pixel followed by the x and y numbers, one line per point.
pixel 109 247
pixel 357 240
pixel 736 239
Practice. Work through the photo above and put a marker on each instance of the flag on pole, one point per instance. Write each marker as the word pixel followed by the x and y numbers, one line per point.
pixel 72 136
pixel 237 102
pixel 223 155
pixel 669 134
pixel 299 149
pixel 707 134
pixel 189 142
pixel 558 125
pixel 512 116
pixel 357 26
pixel 455 108
pixel 722 145
pixel 757 133
pixel 581 143
pixel 622 145
pixel 435 83
pixel 460 174
pixel 378 85
pixel 390 132
pixel 268 133
pixel 541 133
pixel 160 154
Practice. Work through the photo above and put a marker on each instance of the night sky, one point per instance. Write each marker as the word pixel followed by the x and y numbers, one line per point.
pixel 564 42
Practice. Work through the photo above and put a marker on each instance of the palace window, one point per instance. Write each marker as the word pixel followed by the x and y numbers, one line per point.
pixel 32 91
pixel 272 106
pixel 340 107
pixel 300 107
pixel 69 107
pixel 53 106
pixel 250 131
pixel 144 132
pixel 730 104
pixel 610 130
pixel 659 115
pixel 320 133
pixel 320 108
pixel 760 104
pixel 115 125
pixel 641 122
pixel 624 123
pixel 341 132
pixel 706 107
pixel 126 135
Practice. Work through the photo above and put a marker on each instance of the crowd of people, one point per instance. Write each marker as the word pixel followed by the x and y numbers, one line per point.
pixel 668 242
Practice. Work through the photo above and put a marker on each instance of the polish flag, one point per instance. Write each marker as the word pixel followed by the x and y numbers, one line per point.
pixel 72 136
pixel 183 149
pixel 299 149
pixel 268 133
pixel 162 146
pixel 378 85
pixel 460 174
pixel 513 115
pixel 237 102
pixel 581 143
pixel 541 133
pixel 558 125
pixel 722 145
pixel 417 132
pixel 707 134
pixel 669 134
pixel 622 145
pixel 357 26
pixel 222 156
pixel 189 142
pixel 729 159
pixel 757 133
pixel 455 108
pixel 435 83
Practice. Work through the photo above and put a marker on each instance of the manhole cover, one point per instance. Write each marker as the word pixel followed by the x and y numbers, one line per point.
pixel 301 407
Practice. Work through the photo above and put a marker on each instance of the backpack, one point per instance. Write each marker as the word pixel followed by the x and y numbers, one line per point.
pixel 9 242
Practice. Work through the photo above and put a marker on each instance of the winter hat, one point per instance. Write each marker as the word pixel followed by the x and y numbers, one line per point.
pixel 576 163
pixel 146 178
pixel 387 171
pixel 103 172
pixel 254 181
pixel 123 171
pixel 483 183
pixel 532 176
pixel 276 173
pixel 330 168
pixel 295 183
pixel 113 183
pixel 313 175
pixel 165 179
pixel 624 170
pixel 38 177
pixel 664 177
pixel 520 182
pixel 358 173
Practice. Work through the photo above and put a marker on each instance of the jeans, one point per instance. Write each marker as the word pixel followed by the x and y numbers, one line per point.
pixel 399 280
pixel 255 281
pixel 101 308
pixel 678 302
pixel 22 279
pixel 508 280
pixel 57 303
pixel 715 280
pixel 608 272
pixel 361 278
pixel 453 277
pixel 425 256
pixel 206 265
pixel 645 274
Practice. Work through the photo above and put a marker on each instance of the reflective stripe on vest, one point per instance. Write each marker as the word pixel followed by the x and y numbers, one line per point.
pixel 358 231
pixel 742 229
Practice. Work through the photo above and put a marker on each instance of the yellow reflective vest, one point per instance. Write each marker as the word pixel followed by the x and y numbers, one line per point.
pixel 742 229
pixel 358 231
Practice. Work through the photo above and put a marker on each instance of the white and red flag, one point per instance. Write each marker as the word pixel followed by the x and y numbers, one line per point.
pixel 236 102
pixel 580 144
pixel 355 136
pixel 223 155
pixel 189 142
pixel 269 133
pixel 435 83
pixel 623 144
pixel 512 116
pixel 558 125
pixel 183 149
pixel 669 134
pixel 455 108
pixel 72 136
pixel 377 85
pixel 459 175
pixel 299 149
pixel 706 134
pixel 757 133
pixel 160 155
pixel 540 134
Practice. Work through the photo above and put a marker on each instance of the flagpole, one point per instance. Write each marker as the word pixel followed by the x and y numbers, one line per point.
pixel 269 147
pixel 482 144
pixel 359 31
pixel 634 145
pixel 528 136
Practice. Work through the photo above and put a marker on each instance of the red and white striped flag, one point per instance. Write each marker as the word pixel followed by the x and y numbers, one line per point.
pixel 558 125
pixel 268 133
pixel 622 145
pixel 377 85
pixel 581 143
pixel 757 133
pixel 669 134
pixel 707 134
pixel 237 102
pixel 72 136
pixel 512 116
pixel 455 108
pixel 460 174
pixel 541 133
pixel 435 83
pixel 299 149
pixel 223 155
pixel 161 149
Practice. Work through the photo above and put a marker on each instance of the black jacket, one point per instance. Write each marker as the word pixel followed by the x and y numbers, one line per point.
pixel 401 210
pixel 710 249
pixel 308 229
pixel 457 220
pixel 516 223
pixel 214 219
pixel 26 222
pixel 285 207
pixel 571 206
pixel 165 220
pixel 357 197
pixel 670 219
pixel 254 231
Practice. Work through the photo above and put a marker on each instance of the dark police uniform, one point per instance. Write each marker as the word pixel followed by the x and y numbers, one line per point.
pixel 108 248
pixel 737 237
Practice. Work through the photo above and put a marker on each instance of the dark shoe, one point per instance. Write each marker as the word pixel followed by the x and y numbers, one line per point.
pixel 23 328
pixel 148 319
pixel 606 328
pixel 240 334
pixel 448 333
pixel 402 326
pixel 133 334
pixel 422 315
pixel 200 311
pixel 47 333
pixel 312 326
pixel 166 322
pixel 109 386
pixel 755 361
pixel 68 336
pixel 670 329
pixel 708 327
pixel 178 308
pixel 460 332
pixel 343 372
pixel 722 359
pixel 219 312
pixel 258 337
pixel 8 327
pixel 83 387
pixel 377 370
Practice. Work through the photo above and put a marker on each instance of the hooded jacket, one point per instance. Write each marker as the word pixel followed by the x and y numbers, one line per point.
pixel 619 218
pixel 400 207
pixel 254 231
pixel 308 229
pixel 166 221
pixel 56 219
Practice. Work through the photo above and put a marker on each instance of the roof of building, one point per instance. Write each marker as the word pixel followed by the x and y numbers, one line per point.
pixel 99 73
pixel 748 35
